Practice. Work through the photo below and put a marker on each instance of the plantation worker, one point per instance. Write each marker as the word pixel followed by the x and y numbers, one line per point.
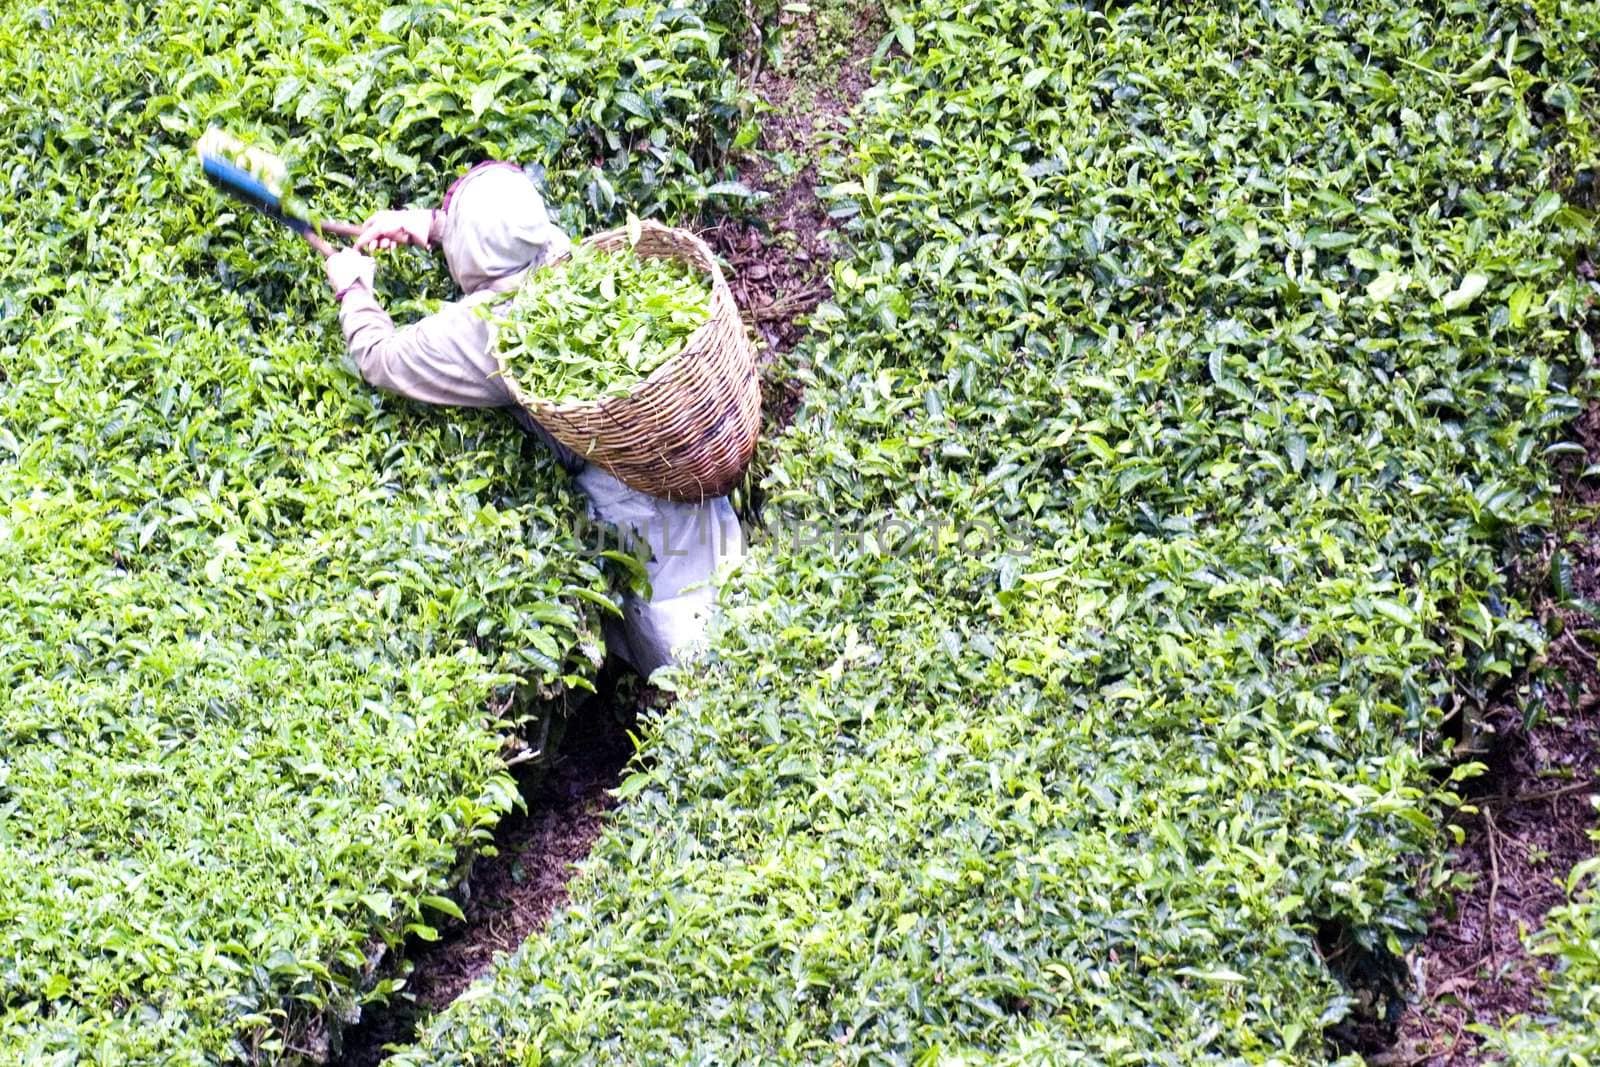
pixel 494 230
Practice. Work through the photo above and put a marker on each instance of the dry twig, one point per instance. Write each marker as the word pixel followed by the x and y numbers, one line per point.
pixel 1494 885
pixel 1534 798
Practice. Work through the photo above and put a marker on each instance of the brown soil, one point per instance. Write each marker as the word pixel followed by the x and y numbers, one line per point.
pixel 515 892
pixel 1530 827
pixel 512 894
pixel 780 260
pixel 1527 836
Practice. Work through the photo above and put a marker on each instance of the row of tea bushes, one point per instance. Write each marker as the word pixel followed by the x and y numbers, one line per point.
pixel 1193 371
pixel 264 632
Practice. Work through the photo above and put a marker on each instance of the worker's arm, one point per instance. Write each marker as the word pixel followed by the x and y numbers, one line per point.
pixel 418 226
pixel 421 227
pixel 492 227
pixel 446 358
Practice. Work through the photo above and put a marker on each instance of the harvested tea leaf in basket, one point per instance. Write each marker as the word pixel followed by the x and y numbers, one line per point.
pixel 598 324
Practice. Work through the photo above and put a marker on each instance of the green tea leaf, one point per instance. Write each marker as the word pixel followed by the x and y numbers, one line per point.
pixel 445 905
pixel 1464 294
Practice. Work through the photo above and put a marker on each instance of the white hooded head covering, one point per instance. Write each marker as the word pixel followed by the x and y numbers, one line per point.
pixel 496 229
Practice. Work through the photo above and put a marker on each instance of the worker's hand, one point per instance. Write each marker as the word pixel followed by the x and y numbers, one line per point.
pixel 349 269
pixel 388 229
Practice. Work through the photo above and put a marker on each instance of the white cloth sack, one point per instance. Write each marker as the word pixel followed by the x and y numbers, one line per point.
pixel 688 543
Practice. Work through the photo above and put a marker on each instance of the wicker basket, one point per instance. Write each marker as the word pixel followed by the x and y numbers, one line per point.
pixel 688 430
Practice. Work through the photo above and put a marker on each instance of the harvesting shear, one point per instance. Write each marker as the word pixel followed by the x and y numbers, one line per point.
pixel 246 187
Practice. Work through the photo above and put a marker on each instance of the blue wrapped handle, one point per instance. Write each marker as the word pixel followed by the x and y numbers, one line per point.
pixel 242 184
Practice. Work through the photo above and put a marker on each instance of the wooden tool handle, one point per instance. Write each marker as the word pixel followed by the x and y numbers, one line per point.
pixel 318 243
pixel 338 229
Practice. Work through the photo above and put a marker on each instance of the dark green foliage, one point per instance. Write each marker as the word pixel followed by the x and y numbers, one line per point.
pixel 1190 374
pixel 259 625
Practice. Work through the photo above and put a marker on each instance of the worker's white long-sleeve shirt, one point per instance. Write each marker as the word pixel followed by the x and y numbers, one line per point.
pixel 493 230
pixel 444 358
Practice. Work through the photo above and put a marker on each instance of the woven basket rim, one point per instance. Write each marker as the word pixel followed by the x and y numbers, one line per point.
pixel 719 292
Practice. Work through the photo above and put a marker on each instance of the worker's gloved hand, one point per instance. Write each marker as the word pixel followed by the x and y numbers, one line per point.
pixel 349 269
pixel 388 229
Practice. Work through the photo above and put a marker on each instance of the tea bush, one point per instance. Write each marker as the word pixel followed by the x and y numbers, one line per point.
pixel 1192 373
pixel 264 632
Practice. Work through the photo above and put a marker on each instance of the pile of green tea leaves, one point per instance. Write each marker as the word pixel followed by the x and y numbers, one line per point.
pixel 264 631
pixel 1193 373
pixel 597 324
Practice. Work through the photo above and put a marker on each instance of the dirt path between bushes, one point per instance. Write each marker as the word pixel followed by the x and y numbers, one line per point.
pixel 810 69
pixel 1530 830
pixel 780 267
pixel 1534 811
pixel 514 893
